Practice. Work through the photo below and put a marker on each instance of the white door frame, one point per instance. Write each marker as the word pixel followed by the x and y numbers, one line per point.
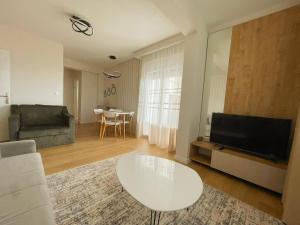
pixel 4 93
pixel 76 100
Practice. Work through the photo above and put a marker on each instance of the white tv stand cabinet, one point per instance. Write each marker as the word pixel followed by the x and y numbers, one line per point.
pixel 251 168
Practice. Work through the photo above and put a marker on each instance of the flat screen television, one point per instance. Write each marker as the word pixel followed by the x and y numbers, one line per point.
pixel 266 137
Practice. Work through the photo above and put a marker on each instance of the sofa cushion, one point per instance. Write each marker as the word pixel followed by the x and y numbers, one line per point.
pixel 24 196
pixel 20 172
pixel 41 115
pixel 42 131
pixel 38 216
pixel 15 206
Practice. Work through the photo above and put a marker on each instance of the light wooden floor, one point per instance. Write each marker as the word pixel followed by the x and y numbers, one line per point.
pixel 88 148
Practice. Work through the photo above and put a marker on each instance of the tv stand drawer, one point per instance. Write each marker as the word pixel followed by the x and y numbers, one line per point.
pixel 262 174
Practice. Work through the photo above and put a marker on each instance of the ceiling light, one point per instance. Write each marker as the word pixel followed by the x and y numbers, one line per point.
pixel 81 26
pixel 115 74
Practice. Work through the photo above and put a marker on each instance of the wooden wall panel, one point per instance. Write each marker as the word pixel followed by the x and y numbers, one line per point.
pixel 264 68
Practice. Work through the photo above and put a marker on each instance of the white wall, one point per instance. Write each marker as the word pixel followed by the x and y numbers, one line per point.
pixel 89 96
pixel 77 65
pixel 191 92
pixel 36 67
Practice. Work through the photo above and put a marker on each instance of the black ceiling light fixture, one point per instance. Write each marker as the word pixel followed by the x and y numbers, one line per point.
pixel 81 26
pixel 114 74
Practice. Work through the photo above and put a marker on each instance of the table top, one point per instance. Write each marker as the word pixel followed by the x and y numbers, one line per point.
pixel 159 184
pixel 119 111
pixel 122 113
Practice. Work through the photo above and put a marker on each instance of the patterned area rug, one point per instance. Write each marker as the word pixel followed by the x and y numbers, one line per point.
pixel 91 194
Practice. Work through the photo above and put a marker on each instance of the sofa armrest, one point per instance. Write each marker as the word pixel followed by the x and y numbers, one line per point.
pixel 14 126
pixel 68 118
pixel 66 114
pixel 13 148
pixel 71 124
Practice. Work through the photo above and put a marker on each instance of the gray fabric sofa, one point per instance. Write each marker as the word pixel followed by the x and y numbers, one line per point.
pixel 46 124
pixel 24 198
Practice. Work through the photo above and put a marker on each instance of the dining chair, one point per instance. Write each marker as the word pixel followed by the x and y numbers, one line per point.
pixel 128 121
pixel 111 119
pixel 99 119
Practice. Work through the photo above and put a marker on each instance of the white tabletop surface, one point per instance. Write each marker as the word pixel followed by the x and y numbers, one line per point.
pixel 159 184
pixel 119 111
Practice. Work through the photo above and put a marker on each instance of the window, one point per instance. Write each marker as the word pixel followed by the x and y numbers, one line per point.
pixel 160 93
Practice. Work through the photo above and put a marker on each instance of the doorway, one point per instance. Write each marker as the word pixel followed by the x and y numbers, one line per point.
pixel 72 92
pixel 76 100
pixel 4 94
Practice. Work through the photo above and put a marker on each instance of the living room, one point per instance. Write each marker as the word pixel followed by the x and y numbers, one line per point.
pixel 149 112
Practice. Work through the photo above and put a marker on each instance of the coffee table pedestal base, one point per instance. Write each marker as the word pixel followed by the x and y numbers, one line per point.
pixel 155 217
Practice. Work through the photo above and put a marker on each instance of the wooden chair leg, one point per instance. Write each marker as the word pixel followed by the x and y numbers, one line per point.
pixel 101 134
pixel 103 131
pixel 120 130
pixel 100 131
pixel 115 130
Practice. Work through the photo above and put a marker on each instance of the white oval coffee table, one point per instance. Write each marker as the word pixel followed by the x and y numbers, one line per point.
pixel 160 184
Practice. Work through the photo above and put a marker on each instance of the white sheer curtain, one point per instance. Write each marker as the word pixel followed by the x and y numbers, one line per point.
pixel 159 96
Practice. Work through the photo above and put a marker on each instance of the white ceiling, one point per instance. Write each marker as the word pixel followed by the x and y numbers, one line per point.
pixel 216 12
pixel 121 27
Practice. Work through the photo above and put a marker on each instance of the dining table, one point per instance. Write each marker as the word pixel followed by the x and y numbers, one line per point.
pixel 122 114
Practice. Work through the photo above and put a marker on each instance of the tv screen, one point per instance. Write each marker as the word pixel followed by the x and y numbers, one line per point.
pixel 266 137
